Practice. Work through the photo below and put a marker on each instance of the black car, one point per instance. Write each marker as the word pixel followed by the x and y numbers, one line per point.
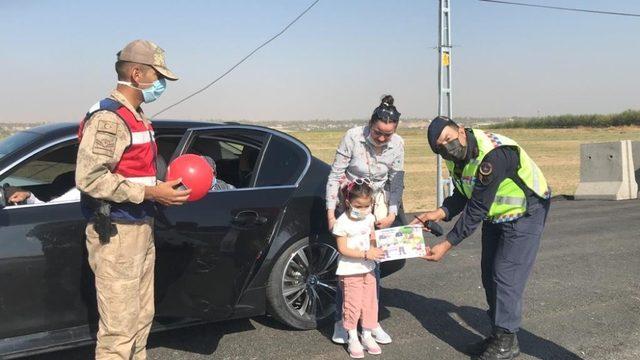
pixel 261 248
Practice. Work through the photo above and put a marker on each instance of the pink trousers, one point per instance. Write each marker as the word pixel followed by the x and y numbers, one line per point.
pixel 360 301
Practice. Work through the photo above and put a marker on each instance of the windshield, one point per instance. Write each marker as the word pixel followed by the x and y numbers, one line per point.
pixel 16 141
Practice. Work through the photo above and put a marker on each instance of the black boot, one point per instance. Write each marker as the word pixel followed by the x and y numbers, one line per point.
pixel 502 346
pixel 479 347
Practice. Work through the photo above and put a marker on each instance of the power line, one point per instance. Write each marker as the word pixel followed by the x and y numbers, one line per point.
pixel 239 62
pixel 562 8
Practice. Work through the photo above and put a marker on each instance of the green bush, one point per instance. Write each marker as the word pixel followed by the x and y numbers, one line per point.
pixel 626 118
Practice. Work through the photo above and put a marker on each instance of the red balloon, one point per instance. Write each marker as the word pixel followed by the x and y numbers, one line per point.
pixel 196 174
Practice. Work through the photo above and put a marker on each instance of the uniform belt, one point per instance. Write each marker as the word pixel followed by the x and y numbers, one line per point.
pixel 145 220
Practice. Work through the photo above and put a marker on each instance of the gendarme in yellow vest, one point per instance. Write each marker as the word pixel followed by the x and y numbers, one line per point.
pixel 510 202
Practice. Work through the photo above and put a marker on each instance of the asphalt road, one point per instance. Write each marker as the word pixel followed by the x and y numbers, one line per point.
pixel 582 302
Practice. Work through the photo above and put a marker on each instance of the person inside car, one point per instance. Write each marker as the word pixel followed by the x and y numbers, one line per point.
pixel 217 184
pixel 20 196
pixel 17 196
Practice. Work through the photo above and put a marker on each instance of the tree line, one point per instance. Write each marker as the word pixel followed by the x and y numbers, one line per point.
pixel 626 118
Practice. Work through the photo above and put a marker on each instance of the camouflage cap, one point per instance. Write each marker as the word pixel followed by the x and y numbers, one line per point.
pixel 148 53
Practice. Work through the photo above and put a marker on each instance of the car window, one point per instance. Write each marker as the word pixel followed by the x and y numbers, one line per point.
pixel 49 174
pixel 167 144
pixel 235 153
pixel 283 163
pixel 229 150
pixel 16 141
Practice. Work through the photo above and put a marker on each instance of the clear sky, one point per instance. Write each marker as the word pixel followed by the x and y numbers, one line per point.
pixel 56 57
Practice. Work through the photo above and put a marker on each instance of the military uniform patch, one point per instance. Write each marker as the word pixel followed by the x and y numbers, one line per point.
pixel 486 168
pixel 109 127
pixel 105 140
pixel 484 172
pixel 104 144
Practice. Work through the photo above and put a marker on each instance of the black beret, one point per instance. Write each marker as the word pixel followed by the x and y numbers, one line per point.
pixel 435 129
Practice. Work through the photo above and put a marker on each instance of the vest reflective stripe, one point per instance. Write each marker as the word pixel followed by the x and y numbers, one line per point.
pixel 539 187
pixel 141 137
pixel 95 107
pixel 510 202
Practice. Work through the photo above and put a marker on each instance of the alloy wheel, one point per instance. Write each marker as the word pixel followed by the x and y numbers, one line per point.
pixel 309 282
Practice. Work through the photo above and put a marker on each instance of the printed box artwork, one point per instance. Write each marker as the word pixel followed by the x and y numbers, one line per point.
pixel 401 242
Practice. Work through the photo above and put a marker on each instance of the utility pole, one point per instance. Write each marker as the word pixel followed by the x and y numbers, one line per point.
pixel 444 86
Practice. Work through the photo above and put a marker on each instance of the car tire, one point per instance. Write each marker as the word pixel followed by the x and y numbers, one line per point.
pixel 302 285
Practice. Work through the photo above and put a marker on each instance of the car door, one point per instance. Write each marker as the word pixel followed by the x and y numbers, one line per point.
pixel 208 249
pixel 45 282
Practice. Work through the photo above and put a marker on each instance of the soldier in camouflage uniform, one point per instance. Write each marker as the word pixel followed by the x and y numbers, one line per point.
pixel 116 166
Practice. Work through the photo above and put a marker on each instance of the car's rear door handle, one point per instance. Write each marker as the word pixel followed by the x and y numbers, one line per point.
pixel 249 217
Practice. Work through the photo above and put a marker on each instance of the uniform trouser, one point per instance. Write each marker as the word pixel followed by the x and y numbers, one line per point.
pixel 508 253
pixel 124 273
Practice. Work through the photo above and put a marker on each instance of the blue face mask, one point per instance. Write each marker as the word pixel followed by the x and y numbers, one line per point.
pixel 359 214
pixel 153 92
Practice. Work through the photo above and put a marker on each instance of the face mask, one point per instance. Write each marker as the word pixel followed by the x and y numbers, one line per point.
pixel 359 214
pixel 453 151
pixel 153 92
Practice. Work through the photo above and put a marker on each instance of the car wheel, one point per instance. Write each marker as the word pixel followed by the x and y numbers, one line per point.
pixel 303 284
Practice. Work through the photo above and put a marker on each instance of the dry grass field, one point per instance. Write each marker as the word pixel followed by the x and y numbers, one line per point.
pixel 557 152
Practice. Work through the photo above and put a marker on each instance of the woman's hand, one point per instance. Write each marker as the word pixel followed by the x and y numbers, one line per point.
pixel 386 222
pixel 331 218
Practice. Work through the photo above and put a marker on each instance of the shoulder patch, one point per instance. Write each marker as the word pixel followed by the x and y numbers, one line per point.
pixel 486 168
pixel 104 144
pixel 484 173
pixel 106 133
pixel 109 127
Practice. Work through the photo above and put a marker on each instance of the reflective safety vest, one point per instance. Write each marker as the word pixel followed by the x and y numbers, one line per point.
pixel 137 164
pixel 510 202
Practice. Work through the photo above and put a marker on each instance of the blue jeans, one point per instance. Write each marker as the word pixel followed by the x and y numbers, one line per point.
pixel 338 313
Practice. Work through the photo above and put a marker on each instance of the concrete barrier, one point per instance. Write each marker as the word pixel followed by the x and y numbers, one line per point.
pixel 635 150
pixel 607 172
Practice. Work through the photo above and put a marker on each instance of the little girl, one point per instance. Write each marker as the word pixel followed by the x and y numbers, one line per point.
pixel 356 244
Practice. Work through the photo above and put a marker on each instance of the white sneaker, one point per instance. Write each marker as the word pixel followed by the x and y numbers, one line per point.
pixel 355 348
pixel 371 346
pixel 340 335
pixel 380 336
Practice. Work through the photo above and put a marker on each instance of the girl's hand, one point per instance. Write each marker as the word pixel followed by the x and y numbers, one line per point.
pixel 331 223
pixel 386 222
pixel 374 253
